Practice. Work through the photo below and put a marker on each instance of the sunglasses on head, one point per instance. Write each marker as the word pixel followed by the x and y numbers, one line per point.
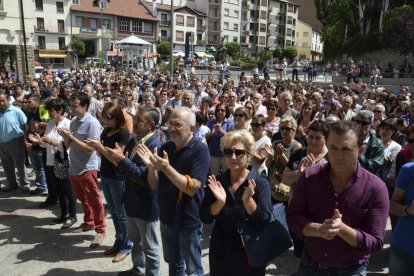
pixel 238 152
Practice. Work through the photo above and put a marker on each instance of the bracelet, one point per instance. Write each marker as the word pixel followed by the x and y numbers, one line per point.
pixel 406 211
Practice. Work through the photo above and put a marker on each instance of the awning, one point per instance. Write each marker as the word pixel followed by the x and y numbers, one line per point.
pixel 50 55
pixel 200 54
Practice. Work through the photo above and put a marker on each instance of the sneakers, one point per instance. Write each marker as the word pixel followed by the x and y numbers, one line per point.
pixel 69 222
pixel 38 191
pixel 97 240
pixel 59 220
pixel 83 228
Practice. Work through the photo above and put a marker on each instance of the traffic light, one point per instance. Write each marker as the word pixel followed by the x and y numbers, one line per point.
pixel 96 3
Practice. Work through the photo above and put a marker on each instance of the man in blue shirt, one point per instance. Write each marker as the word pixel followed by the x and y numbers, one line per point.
pixel 12 121
pixel 180 167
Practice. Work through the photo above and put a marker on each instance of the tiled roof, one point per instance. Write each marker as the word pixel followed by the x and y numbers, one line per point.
pixel 166 7
pixel 123 8
pixel 307 13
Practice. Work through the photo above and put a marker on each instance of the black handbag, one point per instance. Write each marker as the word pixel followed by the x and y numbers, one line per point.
pixel 263 245
pixel 61 165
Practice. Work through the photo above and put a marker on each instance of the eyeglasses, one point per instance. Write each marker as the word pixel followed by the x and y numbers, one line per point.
pixel 286 129
pixel 410 140
pixel 220 110
pixel 377 111
pixel 238 152
pixel 364 123
pixel 256 124
pixel 238 115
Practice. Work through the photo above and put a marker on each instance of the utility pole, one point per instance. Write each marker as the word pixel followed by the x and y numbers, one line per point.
pixel 24 38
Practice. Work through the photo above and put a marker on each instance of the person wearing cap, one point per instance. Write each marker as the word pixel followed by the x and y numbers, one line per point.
pixel 372 158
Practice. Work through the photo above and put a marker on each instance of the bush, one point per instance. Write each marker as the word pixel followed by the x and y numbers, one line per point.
pixel 232 49
pixel 290 53
pixel 164 48
pixel 78 47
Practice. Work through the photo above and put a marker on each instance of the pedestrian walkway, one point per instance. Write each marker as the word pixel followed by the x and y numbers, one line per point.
pixel 29 245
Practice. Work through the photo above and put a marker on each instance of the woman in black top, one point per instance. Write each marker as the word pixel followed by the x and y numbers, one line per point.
pixel 112 180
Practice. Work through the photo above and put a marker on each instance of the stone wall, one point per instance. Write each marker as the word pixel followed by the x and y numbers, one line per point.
pixel 382 58
pixel 21 63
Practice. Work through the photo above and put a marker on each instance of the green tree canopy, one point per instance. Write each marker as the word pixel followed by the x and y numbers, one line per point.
pixel 78 47
pixel 290 52
pixel 277 53
pixel 232 49
pixel 164 48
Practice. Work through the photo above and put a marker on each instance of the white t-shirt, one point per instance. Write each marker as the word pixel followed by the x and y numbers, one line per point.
pixel 51 132
pixel 261 143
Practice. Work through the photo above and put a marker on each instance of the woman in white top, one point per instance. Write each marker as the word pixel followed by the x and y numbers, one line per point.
pixel 391 148
pixel 52 141
pixel 261 141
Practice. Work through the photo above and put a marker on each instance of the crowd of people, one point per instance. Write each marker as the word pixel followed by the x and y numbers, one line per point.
pixel 182 152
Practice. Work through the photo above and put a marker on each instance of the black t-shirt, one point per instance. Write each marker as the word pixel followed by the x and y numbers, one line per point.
pixel 107 168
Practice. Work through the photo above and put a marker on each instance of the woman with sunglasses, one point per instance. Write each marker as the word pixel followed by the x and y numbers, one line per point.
pixel 279 155
pixel 131 105
pixel 218 127
pixel 240 117
pixel 112 180
pixel 272 122
pixel 237 195
pixel 251 111
pixel 261 142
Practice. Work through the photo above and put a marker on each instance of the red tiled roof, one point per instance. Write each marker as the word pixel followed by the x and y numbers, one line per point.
pixel 122 8
pixel 166 7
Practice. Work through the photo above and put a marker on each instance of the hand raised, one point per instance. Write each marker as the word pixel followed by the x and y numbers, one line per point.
pixel 216 189
pixel 145 154
pixel 159 163
pixel 249 191
pixel 116 154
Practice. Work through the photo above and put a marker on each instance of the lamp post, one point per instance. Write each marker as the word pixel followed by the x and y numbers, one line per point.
pixel 172 40
pixel 24 38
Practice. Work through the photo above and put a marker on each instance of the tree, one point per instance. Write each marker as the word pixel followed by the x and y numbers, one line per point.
pixel 290 53
pixel 78 47
pixel 399 29
pixel 232 49
pixel 277 53
pixel 164 48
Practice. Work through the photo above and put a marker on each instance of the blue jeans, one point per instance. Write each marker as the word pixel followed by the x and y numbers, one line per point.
pixel 308 267
pixel 113 190
pixel 400 263
pixel 190 249
pixel 146 250
pixel 36 158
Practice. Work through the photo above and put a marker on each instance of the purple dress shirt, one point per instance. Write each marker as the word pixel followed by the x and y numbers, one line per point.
pixel 364 206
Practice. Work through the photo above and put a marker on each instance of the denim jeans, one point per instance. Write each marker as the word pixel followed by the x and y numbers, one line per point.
pixel 400 263
pixel 145 252
pixel 190 249
pixel 308 267
pixel 113 190
pixel 36 158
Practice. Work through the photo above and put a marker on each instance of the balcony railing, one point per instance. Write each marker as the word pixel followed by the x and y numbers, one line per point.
pixel 165 23
pixel 165 38
pixel 201 42
pixel 201 27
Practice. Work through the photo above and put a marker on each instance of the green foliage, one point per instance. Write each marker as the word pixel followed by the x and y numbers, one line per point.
pixel 164 68
pixel 261 63
pixel 232 49
pixel 277 53
pixel 265 55
pixel 290 53
pixel 164 48
pixel 398 29
pixel 78 47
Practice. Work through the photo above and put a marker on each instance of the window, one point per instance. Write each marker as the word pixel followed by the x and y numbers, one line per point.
pixel 62 43
pixel 41 40
pixel 148 27
pixel 163 33
pixel 1 5
pixel 263 15
pixel 226 25
pixel 179 35
pixel 179 20
pixel 124 25
pixel 226 12
pixel 59 7
pixel 78 21
pixel 190 21
pixel 40 24
pixel 103 4
pixel 262 27
pixel 39 5
pixel 107 23
pixel 235 39
pixel 236 27
pixel 137 26
pixel 263 3
pixel 199 22
pixel 76 2
pixel 164 17
pixel 61 26
pixel 93 22
pixel 262 40
pixel 236 14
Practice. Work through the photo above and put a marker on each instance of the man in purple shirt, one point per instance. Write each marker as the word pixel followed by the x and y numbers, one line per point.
pixel 339 208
